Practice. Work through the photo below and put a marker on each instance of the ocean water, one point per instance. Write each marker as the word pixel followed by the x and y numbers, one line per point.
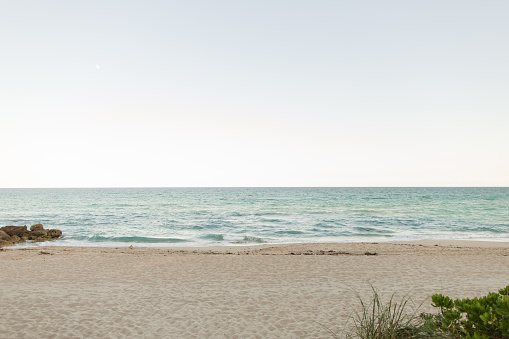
pixel 226 216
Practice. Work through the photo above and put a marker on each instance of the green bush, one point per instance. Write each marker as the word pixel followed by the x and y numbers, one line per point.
pixel 479 318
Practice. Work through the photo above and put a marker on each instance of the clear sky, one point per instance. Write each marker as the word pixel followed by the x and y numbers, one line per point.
pixel 254 93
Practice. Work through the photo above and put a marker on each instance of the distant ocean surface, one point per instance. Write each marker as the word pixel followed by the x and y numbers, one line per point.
pixel 226 216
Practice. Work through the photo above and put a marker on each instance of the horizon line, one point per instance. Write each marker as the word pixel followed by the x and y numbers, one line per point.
pixel 110 187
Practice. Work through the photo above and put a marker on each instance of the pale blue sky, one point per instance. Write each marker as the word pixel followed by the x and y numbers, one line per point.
pixel 254 93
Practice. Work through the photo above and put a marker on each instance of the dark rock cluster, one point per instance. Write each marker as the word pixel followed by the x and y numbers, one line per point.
pixel 10 235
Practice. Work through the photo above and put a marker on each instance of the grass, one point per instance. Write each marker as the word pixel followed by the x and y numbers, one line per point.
pixel 390 320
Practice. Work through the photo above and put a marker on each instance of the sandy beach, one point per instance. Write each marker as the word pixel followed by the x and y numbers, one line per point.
pixel 267 291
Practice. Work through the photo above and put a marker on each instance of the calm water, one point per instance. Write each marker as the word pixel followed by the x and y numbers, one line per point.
pixel 225 216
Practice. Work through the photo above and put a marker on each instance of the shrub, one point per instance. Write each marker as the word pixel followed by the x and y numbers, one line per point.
pixel 479 318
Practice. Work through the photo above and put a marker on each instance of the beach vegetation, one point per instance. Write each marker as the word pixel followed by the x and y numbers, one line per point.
pixel 393 319
pixel 478 318
pixel 484 317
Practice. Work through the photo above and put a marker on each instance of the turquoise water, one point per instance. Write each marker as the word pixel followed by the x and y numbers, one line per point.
pixel 225 216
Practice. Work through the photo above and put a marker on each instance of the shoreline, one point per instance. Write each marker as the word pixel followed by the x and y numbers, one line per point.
pixel 463 247
pixel 260 291
pixel 247 247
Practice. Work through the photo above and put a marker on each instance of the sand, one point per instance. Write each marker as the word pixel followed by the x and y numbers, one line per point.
pixel 283 291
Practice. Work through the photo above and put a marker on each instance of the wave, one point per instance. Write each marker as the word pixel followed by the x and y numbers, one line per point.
pixel 238 214
pixel 289 232
pixel 371 230
pixel 250 239
pixel 216 237
pixel 271 220
pixel 365 211
pixel 98 238
pixel 497 229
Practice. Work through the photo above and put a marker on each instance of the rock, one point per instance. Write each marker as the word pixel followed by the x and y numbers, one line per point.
pixel 36 234
pixel 6 243
pixel 54 234
pixel 36 227
pixel 12 234
pixel 15 238
pixel 15 230
pixel 4 236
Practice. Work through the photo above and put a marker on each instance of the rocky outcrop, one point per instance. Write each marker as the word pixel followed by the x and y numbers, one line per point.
pixel 53 234
pixel 4 236
pixel 10 235
pixel 15 230
pixel 36 227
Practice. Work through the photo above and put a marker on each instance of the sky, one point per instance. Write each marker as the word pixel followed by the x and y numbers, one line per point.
pixel 233 93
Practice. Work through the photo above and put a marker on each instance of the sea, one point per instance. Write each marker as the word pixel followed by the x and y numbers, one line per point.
pixel 241 216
